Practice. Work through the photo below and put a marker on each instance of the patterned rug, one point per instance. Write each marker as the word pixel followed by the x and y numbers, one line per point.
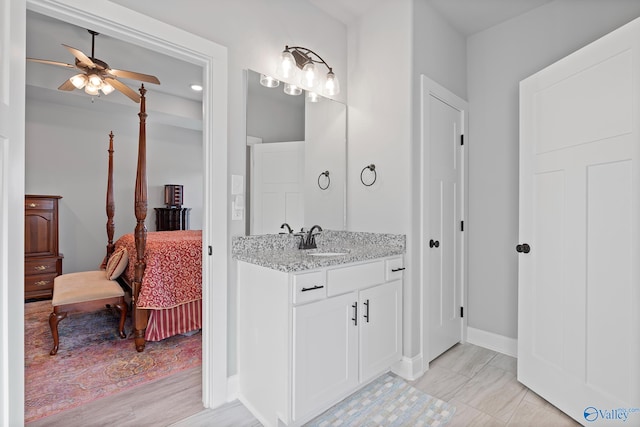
pixel 387 401
pixel 92 361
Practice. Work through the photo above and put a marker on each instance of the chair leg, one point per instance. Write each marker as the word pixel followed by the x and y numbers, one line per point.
pixel 122 308
pixel 54 319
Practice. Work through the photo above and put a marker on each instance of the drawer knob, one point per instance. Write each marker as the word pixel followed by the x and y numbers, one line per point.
pixel 40 267
pixel 33 205
pixel 41 283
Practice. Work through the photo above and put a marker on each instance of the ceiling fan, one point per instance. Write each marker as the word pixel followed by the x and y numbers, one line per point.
pixel 96 75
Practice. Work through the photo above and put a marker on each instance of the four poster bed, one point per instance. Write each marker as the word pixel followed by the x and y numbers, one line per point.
pixel 164 272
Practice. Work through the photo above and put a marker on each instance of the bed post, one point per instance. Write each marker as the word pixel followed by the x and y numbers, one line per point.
pixel 140 316
pixel 110 205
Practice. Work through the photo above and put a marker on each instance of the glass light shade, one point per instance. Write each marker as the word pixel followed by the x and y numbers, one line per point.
pixel 290 89
pixel 91 89
pixel 107 88
pixel 287 67
pixel 331 85
pixel 79 80
pixel 268 81
pixel 313 97
pixel 95 80
pixel 309 77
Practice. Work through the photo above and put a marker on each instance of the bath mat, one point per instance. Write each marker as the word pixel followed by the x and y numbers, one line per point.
pixel 387 401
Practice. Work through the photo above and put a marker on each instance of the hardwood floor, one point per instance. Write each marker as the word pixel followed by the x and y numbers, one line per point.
pixel 479 382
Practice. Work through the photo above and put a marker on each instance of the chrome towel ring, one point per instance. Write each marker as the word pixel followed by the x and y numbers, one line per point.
pixel 325 174
pixel 371 168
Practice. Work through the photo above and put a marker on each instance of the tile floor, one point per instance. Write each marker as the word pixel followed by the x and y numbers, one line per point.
pixel 482 385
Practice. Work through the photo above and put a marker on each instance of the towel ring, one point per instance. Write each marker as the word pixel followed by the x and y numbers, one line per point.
pixel 326 174
pixel 372 168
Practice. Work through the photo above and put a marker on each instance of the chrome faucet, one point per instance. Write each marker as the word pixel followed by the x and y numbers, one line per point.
pixel 285 225
pixel 310 241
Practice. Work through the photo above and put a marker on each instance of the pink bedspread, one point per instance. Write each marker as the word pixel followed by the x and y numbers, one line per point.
pixel 173 275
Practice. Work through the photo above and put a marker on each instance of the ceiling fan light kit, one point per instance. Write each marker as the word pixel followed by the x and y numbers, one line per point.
pixel 96 75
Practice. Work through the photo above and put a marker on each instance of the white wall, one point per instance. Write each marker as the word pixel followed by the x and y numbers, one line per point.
pixel 388 50
pixel 498 58
pixel 66 155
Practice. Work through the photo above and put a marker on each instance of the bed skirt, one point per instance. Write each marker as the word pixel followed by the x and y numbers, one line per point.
pixel 173 321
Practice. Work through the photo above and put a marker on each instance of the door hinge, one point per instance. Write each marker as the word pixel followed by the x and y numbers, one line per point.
pixel 461 311
pixel 461 225
pixel 462 139
pixel 210 250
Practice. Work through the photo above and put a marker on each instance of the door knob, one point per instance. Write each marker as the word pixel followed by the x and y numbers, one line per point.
pixel 433 243
pixel 523 248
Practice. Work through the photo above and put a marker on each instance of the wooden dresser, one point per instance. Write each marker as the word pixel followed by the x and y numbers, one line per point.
pixel 42 261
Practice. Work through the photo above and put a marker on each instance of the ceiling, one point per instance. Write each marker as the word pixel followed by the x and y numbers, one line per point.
pixel 466 16
pixel 45 36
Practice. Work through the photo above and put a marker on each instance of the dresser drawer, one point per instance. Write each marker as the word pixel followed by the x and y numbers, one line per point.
pixel 39 282
pixel 41 266
pixel 309 286
pixel 40 204
pixel 347 279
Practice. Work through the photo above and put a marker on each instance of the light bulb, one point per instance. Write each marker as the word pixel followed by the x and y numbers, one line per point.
pixel 331 85
pixel 95 80
pixel 91 89
pixel 107 88
pixel 79 80
pixel 268 81
pixel 290 89
pixel 309 75
pixel 287 67
pixel 313 96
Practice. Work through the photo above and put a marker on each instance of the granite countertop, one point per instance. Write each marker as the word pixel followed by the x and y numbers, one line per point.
pixel 280 251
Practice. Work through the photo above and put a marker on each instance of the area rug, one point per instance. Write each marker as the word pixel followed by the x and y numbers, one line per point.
pixel 387 401
pixel 92 361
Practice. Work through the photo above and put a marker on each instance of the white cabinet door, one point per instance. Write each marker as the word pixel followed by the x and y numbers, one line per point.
pixel 380 323
pixel 578 317
pixel 325 352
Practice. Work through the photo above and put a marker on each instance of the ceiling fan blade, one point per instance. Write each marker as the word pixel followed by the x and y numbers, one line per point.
pixel 84 59
pixel 124 89
pixel 134 76
pixel 46 61
pixel 67 85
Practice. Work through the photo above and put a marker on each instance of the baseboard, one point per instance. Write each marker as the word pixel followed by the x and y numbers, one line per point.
pixel 409 368
pixel 495 342
pixel 233 388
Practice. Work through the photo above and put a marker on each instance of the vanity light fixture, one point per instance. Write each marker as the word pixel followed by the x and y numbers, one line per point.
pixel 299 63
pixel 268 81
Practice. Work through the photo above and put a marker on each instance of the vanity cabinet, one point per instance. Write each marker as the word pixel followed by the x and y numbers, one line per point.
pixel 307 340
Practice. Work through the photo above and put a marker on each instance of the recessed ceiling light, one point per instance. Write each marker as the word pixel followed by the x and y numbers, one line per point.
pixel 196 87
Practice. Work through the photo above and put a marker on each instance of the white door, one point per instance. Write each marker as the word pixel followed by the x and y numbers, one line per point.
pixel 579 282
pixel 325 352
pixel 12 87
pixel 277 186
pixel 380 328
pixel 443 126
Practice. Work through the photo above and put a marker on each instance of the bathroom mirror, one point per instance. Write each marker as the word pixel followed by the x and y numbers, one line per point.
pixel 296 160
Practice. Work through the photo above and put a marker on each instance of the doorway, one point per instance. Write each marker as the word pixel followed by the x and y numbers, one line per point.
pixel 443 243
pixel 133 27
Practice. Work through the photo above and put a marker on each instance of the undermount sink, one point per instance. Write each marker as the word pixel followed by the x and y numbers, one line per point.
pixel 327 253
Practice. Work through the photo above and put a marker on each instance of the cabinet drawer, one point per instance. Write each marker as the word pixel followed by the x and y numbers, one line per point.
pixel 309 286
pixel 40 266
pixel 394 268
pixel 41 204
pixel 347 279
pixel 39 282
